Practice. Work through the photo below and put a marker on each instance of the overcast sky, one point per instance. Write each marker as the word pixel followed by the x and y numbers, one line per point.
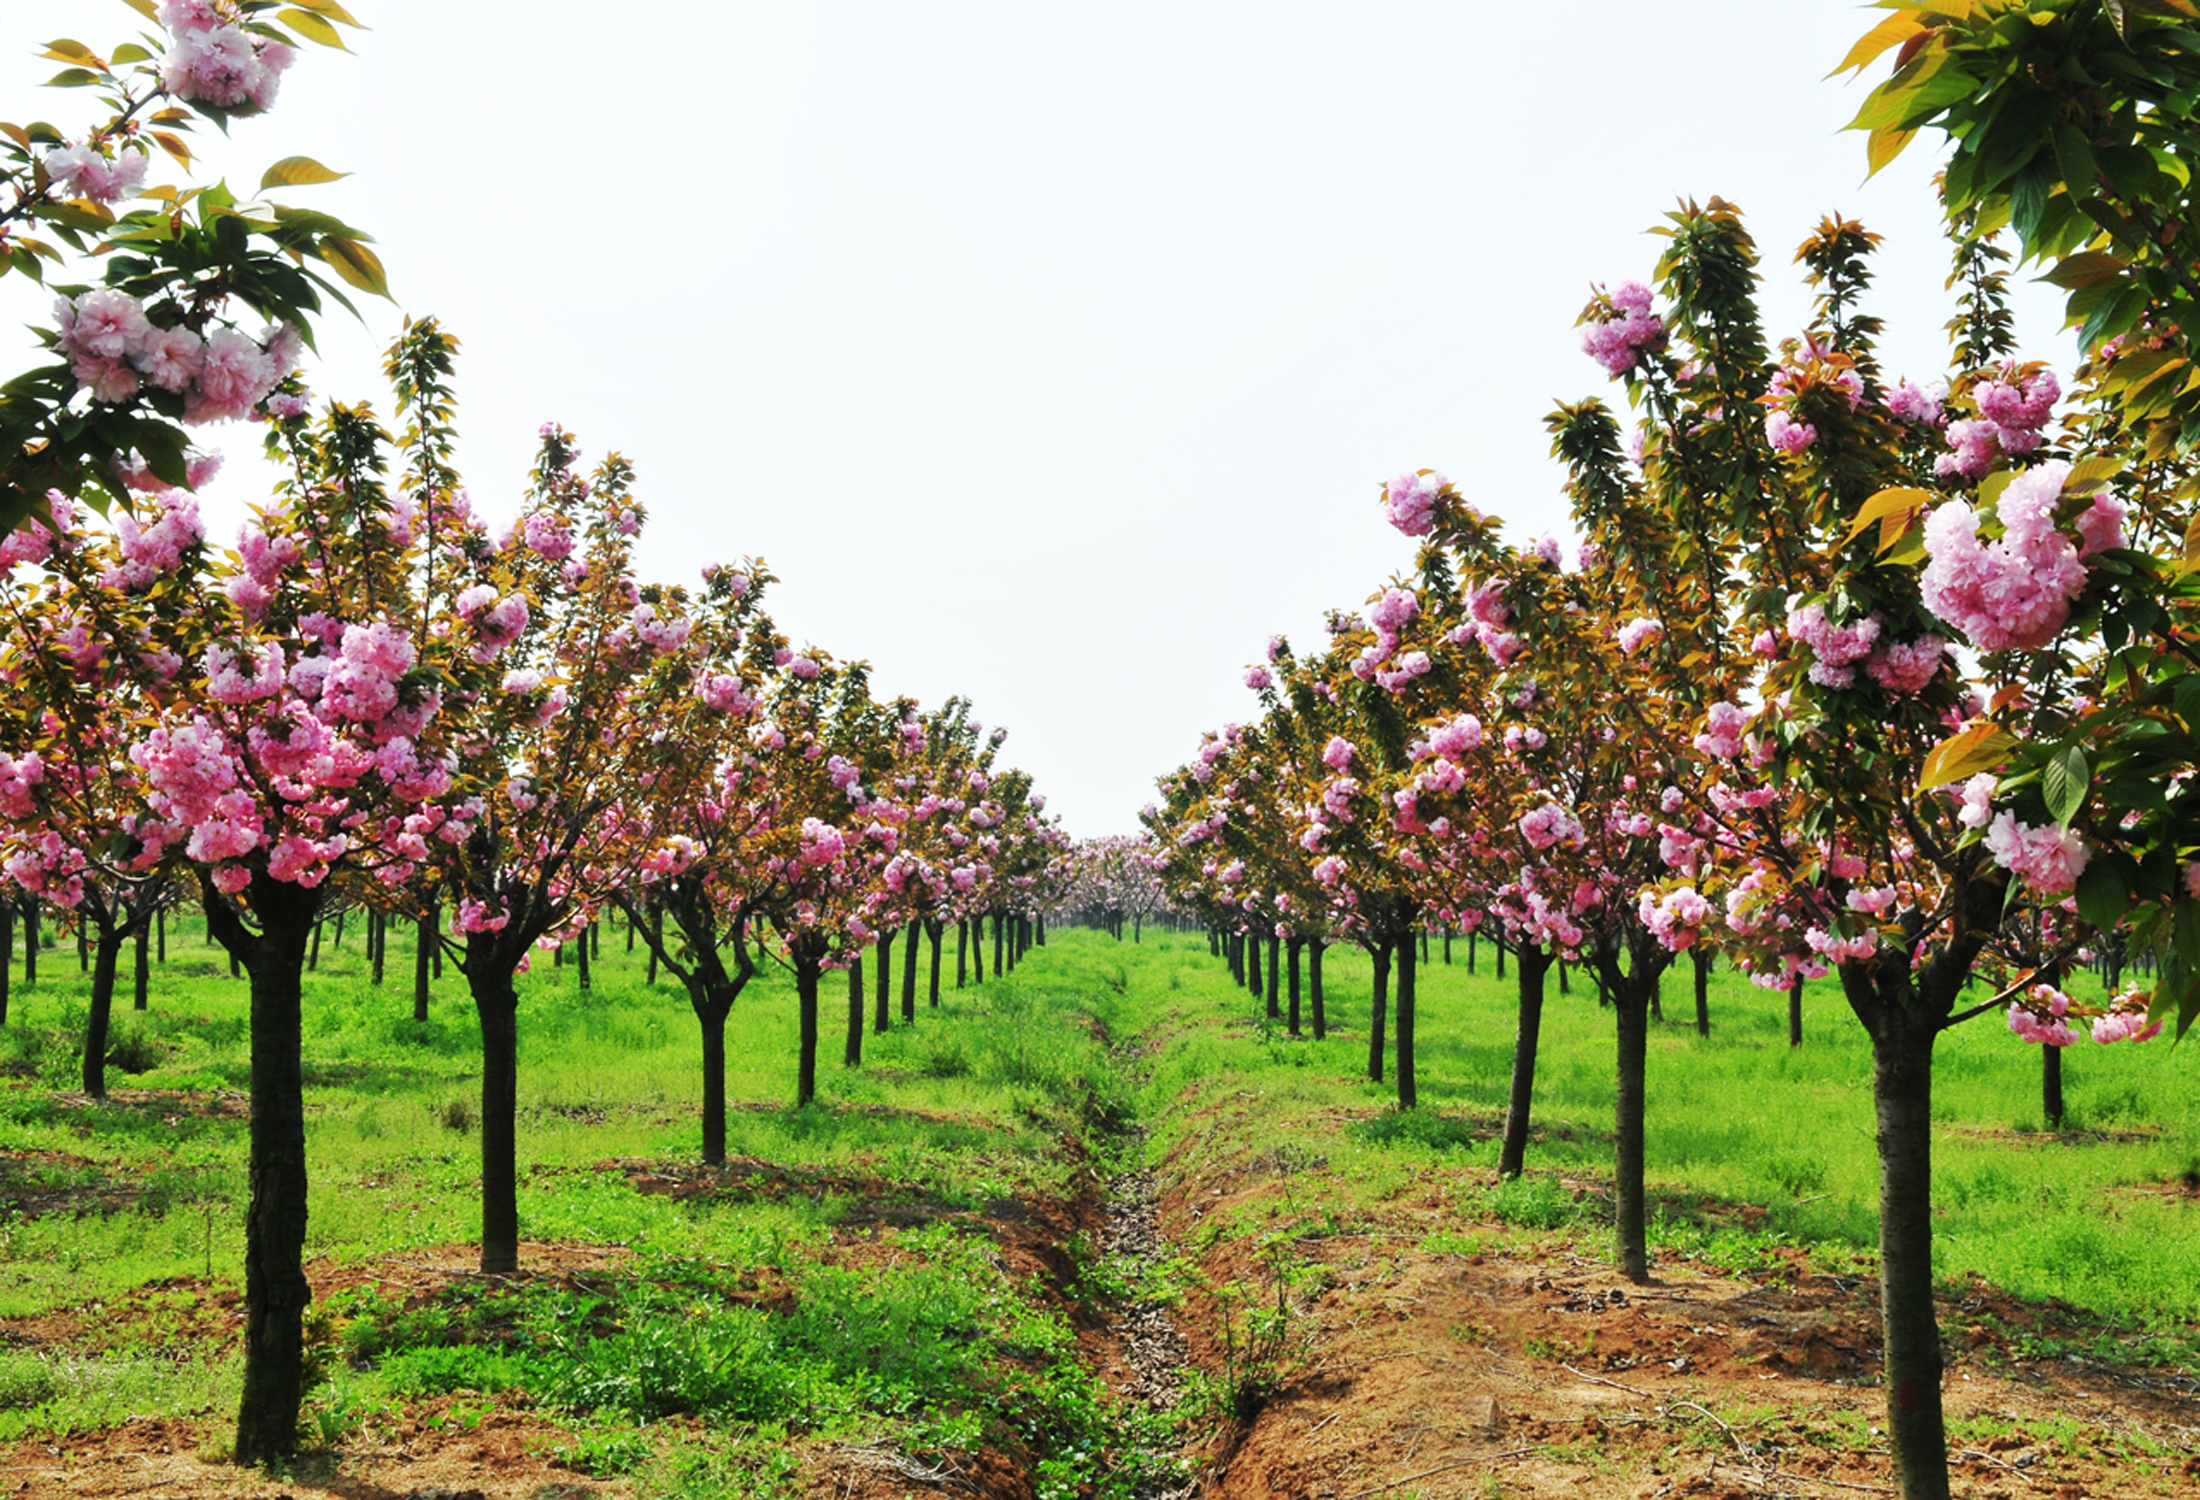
pixel 1050 355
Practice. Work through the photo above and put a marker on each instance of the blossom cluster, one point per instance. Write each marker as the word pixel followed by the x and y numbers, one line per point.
pixel 213 60
pixel 2012 412
pixel 2014 592
pixel 1623 328
pixel 114 349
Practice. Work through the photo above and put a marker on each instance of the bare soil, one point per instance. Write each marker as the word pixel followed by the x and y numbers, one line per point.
pixel 1526 1369
pixel 1533 1370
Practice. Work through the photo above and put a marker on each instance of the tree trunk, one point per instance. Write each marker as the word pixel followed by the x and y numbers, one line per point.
pixel 7 953
pixel 909 971
pixel 962 950
pixel 712 1017
pixel 313 953
pixel 1499 945
pixel 852 1056
pixel 1377 1011
pixel 1474 938
pixel 656 939
pixel 977 948
pixel 1447 946
pixel 1512 1154
pixel 882 1012
pixel 1275 1008
pixel 424 941
pixel 805 993
pixel 1631 1005
pixel 30 940
pixel 998 961
pixel 1314 986
pixel 1902 1097
pixel 275 1290
pixel 160 937
pixel 377 932
pixel 580 955
pixel 1295 945
pixel 496 1000
pixel 933 929
pixel 142 986
pixel 1408 1096
pixel 2051 1089
pixel 1795 1011
pixel 1252 974
pixel 1700 958
pixel 108 959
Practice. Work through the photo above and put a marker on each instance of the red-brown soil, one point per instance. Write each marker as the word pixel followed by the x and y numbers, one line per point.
pixel 1524 1369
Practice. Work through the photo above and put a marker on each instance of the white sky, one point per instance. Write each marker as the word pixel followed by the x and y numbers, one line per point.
pixel 1050 356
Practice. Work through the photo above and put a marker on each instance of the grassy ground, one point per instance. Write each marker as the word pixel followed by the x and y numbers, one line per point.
pixel 843 1273
pixel 2090 1214
pixel 911 1267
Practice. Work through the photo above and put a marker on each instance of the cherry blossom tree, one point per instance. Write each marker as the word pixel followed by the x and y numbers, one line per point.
pixel 158 348
pixel 94 629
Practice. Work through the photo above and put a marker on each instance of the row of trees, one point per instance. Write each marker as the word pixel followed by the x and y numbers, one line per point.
pixel 376 699
pixel 1848 675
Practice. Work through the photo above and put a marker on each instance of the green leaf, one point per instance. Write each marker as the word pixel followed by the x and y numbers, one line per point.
pixel 2113 317
pixel 2089 475
pixel 1899 500
pixel 2065 784
pixel 130 52
pixel 70 51
pixel 145 8
pixel 333 11
pixel 311 27
pixel 2074 157
pixel 2084 269
pixel 1892 32
pixel 2187 694
pixel 2102 895
pixel 72 78
pixel 297 171
pixel 1962 756
pixel 163 448
pixel 356 264
pixel 1990 488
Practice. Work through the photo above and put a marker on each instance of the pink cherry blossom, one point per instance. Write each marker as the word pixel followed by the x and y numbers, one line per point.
pixel 2014 592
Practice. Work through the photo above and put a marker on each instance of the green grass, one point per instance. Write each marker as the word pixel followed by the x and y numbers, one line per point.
pixel 841 1276
pixel 1738 1118
pixel 926 1341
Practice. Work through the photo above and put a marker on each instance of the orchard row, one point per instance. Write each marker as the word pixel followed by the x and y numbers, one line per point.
pixel 1847 675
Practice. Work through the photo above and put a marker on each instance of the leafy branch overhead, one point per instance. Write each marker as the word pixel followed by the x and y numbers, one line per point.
pixel 155 347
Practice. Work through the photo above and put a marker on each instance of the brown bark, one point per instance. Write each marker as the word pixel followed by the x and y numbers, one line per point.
pixel 883 1012
pixel 808 961
pixel 496 1001
pixel 276 1294
pixel 1512 1152
pixel 1408 1095
pixel 1377 1009
pixel 909 971
pixel 852 1055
